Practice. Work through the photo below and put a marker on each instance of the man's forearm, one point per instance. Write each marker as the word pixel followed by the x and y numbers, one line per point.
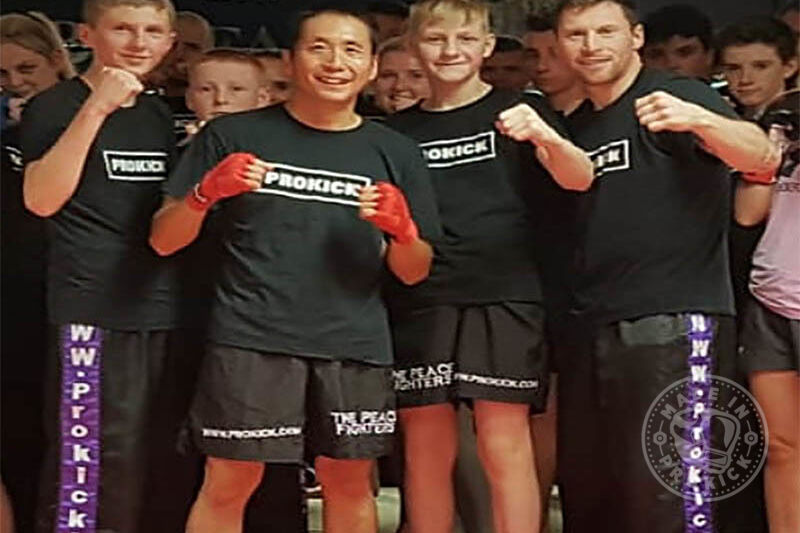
pixel 52 180
pixel 410 262
pixel 569 165
pixel 740 144
pixel 752 204
pixel 175 226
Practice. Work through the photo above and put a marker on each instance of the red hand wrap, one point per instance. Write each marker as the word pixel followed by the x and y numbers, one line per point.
pixel 393 215
pixel 224 180
pixel 764 178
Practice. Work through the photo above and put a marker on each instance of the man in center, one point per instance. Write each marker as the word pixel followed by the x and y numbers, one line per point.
pixel 299 348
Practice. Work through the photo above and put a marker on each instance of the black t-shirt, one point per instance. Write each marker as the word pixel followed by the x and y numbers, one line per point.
pixel 182 116
pixel 491 192
pixel 101 269
pixel 301 273
pixel 652 234
pixel 23 238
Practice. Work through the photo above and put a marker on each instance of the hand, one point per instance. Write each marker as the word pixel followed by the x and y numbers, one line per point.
pixel 116 88
pixel 15 106
pixel 522 123
pixel 660 111
pixel 238 173
pixel 385 206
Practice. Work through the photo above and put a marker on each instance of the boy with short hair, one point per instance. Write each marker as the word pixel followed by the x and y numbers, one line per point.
pixel 679 38
pixel 223 81
pixel 505 68
pixel 299 349
pixel 758 56
pixel 96 150
pixel 474 331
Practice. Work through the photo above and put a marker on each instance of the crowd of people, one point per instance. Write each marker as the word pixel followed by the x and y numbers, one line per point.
pixel 402 235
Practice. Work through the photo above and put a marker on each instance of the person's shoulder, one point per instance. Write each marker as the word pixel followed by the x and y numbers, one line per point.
pixel 152 98
pixel 243 120
pixel 386 134
pixel 533 97
pixel 676 84
pixel 57 98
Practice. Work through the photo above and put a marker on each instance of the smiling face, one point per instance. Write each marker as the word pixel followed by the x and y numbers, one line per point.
pixel 452 47
pixel 130 38
pixel 401 82
pixel 755 73
pixel 599 43
pixel 332 59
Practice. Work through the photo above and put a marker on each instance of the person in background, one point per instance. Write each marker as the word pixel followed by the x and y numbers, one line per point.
pixel 770 340
pixel 679 39
pixel 32 59
pixel 387 18
pixel 564 89
pixel 504 69
pixel 758 56
pixel 194 35
pixel 401 82
pixel 224 81
pixel 276 78
pixel 790 14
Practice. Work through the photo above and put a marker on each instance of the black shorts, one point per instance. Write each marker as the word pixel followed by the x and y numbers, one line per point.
pixel 608 378
pixel 768 341
pixel 483 352
pixel 256 406
pixel 116 401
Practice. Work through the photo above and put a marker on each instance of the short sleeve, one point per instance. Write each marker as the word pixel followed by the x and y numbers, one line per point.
pixel 202 154
pixel 42 125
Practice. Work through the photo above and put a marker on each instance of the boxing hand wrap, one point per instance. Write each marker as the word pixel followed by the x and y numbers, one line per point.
pixel 392 214
pixel 771 159
pixel 225 179
pixel 763 178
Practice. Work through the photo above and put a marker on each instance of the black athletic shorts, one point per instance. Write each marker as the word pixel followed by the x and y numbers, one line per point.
pixel 768 341
pixel 115 403
pixel 484 352
pixel 608 378
pixel 257 406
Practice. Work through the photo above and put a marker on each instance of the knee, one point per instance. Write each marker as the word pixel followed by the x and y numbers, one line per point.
pixel 783 448
pixel 229 482
pixel 503 452
pixel 344 478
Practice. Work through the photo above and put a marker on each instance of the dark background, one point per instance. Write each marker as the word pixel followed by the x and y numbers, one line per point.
pixel 273 14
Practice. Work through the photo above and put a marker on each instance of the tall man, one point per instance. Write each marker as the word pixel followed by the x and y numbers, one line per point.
pixel 651 262
pixel 299 349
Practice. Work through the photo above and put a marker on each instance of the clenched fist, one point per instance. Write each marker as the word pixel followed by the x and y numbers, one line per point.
pixel 116 88
pixel 660 111
pixel 522 123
